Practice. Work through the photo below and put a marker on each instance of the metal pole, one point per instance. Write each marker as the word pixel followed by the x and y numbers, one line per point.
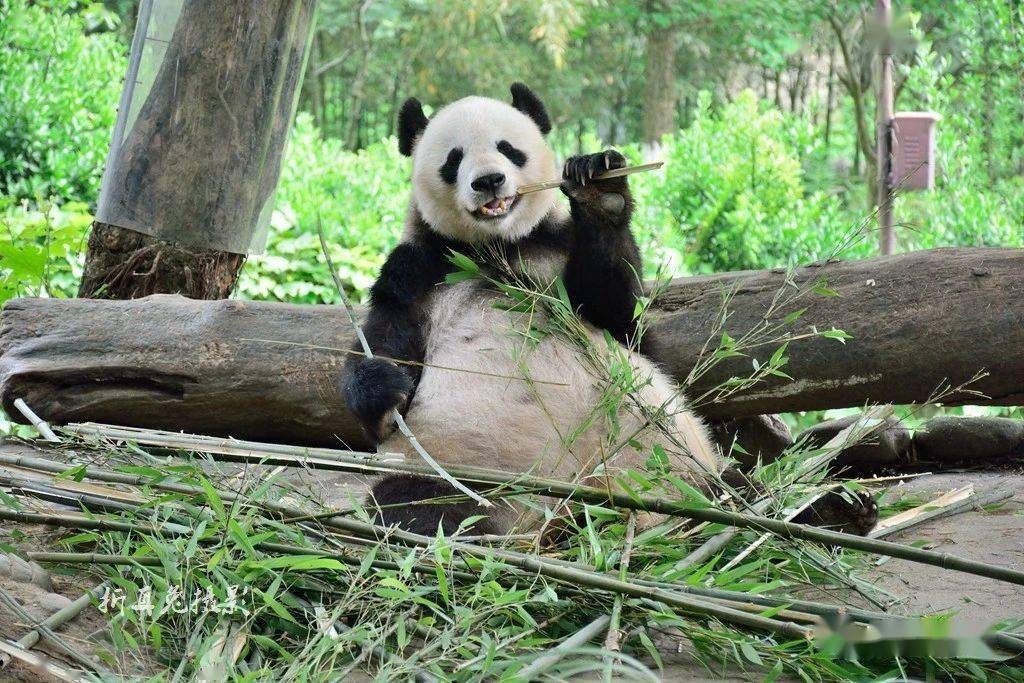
pixel 884 132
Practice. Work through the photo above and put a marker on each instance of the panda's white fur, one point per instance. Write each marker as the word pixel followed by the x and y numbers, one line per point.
pixel 487 420
pixel 476 125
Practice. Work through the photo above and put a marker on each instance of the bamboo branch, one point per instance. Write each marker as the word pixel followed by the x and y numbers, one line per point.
pixel 614 173
pixel 553 656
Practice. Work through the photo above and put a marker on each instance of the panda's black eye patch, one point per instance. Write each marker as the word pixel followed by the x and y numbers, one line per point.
pixel 516 156
pixel 450 170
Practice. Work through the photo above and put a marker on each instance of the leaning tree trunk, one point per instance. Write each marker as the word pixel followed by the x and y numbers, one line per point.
pixel 659 83
pixel 200 162
pixel 269 371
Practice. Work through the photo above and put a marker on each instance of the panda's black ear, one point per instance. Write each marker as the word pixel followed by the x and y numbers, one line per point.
pixel 411 122
pixel 525 101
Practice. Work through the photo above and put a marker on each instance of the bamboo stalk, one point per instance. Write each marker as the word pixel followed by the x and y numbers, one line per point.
pixel 39 423
pixel 38 662
pixel 614 173
pixel 587 494
pixel 214 445
pixel 937 508
pixel 557 653
pixel 59 618
pixel 92 558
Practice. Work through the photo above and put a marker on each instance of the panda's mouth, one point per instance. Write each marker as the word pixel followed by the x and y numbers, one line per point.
pixel 496 208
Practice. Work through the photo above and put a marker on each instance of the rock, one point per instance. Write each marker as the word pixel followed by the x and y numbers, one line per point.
pixel 51 603
pixel 969 440
pixel 25 572
pixel 887 446
pixel 763 437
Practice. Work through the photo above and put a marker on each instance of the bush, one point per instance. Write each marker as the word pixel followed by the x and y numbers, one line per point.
pixel 732 195
pixel 41 249
pixel 59 90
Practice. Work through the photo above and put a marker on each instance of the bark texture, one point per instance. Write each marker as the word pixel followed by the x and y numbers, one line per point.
pixel 124 264
pixel 246 369
pixel 199 163
pixel 659 83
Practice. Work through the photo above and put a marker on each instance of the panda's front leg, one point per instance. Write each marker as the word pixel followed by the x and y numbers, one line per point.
pixel 594 201
pixel 603 272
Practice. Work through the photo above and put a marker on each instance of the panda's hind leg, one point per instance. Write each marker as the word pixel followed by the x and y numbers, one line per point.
pixel 410 503
pixel 849 512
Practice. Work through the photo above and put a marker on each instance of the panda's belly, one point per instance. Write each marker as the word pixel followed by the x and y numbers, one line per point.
pixel 490 397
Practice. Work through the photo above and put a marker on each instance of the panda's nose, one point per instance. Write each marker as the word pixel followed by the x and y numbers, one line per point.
pixel 489 181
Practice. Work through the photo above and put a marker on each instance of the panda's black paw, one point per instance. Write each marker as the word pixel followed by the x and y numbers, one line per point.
pixel 372 388
pixel 581 170
pixel 849 512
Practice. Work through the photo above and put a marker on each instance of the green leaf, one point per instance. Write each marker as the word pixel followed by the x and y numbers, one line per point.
pixel 750 653
pixel 792 317
pixel 216 504
pixel 463 262
pixel 838 335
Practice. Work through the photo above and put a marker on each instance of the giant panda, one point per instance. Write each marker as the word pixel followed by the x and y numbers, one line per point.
pixel 456 363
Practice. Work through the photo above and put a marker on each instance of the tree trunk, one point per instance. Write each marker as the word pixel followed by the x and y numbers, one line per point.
pixel 659 83
pixel 124 264
pixel 197 168
pixel 267 371
pixel 830 89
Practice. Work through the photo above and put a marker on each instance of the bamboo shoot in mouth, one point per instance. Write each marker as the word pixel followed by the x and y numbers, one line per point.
pixel 614 173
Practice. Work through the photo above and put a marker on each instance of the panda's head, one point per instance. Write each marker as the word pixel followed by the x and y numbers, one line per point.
pixel 469 161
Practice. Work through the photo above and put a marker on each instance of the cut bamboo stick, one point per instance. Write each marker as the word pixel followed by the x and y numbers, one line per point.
pixel 951 503
pixel 216 445
pixel 55 621
pixel 614 173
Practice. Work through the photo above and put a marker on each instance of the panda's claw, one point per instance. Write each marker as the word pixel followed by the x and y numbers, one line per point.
pixel 373 387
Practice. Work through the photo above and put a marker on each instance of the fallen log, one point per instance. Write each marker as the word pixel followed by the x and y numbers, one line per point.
pixel 268 371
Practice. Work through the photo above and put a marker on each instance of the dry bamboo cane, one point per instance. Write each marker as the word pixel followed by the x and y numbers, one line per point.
pixel 614 173
pixel 587 494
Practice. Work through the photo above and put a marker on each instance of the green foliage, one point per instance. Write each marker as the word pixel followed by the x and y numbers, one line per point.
pixel 733 194
pixel 59 87
pixel 41 248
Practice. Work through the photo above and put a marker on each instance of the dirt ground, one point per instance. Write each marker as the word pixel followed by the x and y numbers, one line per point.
pixel 996 536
